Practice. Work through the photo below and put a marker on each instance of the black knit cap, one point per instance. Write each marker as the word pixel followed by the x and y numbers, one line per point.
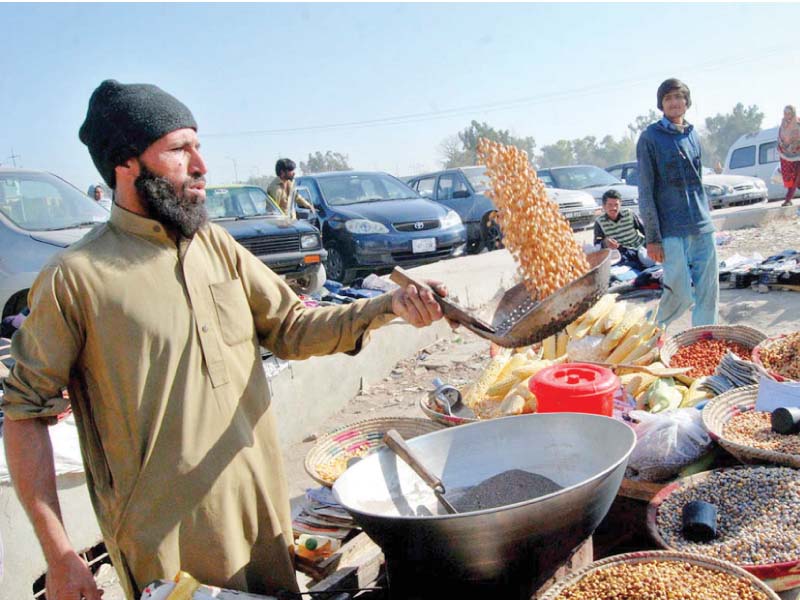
pixel 670 85
pixel 124 119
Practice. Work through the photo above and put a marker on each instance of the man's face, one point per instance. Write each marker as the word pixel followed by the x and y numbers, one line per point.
pixel 171 181
pixel 612 207
pixel 788 114
pixel 288 175
pixel 98 192
pixel 674 104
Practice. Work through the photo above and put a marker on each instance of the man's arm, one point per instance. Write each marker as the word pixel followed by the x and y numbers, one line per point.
pixel 30 462
pixel 647 204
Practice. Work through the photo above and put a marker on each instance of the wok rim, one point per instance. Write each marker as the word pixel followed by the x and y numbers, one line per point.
pixel 600 475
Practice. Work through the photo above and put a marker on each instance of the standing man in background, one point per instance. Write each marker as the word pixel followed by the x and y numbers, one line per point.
pixel 673 205
pixel 98 193
pixel 281 189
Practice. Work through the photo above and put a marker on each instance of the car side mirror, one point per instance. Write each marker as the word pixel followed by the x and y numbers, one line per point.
pixel 461 194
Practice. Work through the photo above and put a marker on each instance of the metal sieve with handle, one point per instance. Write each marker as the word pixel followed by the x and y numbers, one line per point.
pixel 519 319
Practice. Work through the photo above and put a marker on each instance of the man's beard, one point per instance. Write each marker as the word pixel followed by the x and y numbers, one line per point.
pixel 173 209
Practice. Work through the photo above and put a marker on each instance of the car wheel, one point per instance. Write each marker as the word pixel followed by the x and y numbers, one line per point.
pixel 311 281
pixel 491 235
pixel 336 266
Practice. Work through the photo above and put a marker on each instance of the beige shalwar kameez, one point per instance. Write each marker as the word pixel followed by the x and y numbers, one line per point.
pixel 158 345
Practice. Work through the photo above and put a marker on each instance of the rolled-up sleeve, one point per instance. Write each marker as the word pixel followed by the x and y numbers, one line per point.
pixel 44 350
pixel 647 205
pixel 288 328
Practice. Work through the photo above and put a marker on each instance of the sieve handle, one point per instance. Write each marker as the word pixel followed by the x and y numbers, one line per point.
pixel 398 445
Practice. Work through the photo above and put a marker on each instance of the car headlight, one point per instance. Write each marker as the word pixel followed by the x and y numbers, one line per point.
pixel 309 241
pixel 714 190
pixel 451 219
pixel 365 226
pixel 729 189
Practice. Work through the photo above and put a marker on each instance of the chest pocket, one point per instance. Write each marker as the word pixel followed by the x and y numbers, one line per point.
pixel 233 312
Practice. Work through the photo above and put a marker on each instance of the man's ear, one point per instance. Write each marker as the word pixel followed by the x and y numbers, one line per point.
pixel 130 169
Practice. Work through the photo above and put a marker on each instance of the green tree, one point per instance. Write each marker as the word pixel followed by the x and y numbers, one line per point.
pixel 641 123
pixel 321 163
pixel 554 155
pixel 464 152
pixel 722 130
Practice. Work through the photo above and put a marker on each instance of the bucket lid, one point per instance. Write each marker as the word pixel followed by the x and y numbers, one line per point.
pixel 575 379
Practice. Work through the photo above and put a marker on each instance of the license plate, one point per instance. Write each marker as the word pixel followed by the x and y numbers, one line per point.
pixel 423 245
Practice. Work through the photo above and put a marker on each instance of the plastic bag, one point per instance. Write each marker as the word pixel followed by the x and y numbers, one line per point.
pixel 666 442
pixel 586 348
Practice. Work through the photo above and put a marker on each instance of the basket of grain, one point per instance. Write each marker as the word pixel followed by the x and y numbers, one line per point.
pixel 780 356
pixel 758 520
pixel 702 348
pixel 657 573
pixel 732 421
pixel 329 457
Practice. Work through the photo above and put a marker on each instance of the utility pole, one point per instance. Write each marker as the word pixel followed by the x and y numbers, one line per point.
pixel 13 158
pixel 235 169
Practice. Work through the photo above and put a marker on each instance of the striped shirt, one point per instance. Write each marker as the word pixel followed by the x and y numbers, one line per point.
pixel 627 230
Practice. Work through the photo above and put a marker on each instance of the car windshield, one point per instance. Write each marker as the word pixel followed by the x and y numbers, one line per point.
pixel 478 178
pixel 43 202
pixel 239 203
pixel 340 190
pixel 581 178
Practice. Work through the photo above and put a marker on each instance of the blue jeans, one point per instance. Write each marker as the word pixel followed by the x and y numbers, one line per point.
pixel 690 260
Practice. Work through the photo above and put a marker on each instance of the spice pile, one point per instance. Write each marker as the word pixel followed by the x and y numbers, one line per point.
pixel 705 355
pixel 783 356
pixel 667 580
pixel 758 512
pixel 754 429
pixel 331 470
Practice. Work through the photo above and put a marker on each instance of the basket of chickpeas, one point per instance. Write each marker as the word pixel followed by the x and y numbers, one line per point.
pixel 733 422
pixel 702 348
pixel 335 451
pixel 757 525
pixel 780 356
pixel 660 574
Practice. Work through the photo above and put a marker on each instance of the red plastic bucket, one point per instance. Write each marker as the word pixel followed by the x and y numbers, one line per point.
pixel 575 387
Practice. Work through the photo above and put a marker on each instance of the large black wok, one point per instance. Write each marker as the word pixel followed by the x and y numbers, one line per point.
pixel 507 551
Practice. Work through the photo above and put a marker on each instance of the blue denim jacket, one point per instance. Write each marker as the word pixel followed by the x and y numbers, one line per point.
pixel 672 201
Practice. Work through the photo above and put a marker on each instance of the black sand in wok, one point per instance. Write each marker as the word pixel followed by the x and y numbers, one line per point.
pixel 508 487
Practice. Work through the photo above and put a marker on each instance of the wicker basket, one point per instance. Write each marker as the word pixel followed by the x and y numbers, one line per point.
pixel 367 434
pixel 722 409
pixel 741 334
pixel 757 357
pixel 778 576
pixel 658 556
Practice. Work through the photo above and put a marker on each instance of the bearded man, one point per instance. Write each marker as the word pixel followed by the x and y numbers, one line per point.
pixel 153 323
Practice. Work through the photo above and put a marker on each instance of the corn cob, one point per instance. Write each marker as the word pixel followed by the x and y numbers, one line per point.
pixel 632 316
pixel 615 315
pixel 623 350
pixel 549 348
pixel 476 392
pixel 561 343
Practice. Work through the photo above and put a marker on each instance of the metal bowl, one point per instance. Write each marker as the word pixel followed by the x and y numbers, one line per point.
pixel 507 550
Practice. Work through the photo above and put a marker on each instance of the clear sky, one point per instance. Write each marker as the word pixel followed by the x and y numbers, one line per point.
pixel 384 84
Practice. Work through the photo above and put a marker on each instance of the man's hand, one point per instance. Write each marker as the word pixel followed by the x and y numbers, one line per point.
pixel 418 307
pixel 612 243
pixel 655 252
pixel 69 578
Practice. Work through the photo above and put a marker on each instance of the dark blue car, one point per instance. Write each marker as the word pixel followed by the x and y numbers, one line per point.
pixel 372 222
pixel 463 190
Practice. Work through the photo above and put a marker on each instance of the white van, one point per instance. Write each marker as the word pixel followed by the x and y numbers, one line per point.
pixel 756 155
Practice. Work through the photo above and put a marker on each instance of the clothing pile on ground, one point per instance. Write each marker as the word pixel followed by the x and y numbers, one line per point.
pixel 780 271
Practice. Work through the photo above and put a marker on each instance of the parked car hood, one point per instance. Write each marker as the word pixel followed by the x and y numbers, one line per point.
pixel 274 226
pixel 392 211
pixel 560 196
pixel 731 180
pixel 626 191
pixel 61 238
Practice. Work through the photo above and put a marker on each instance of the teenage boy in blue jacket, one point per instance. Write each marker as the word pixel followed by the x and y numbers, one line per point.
pixel 673 206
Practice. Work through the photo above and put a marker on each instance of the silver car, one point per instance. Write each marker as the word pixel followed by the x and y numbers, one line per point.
pixel 40 214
